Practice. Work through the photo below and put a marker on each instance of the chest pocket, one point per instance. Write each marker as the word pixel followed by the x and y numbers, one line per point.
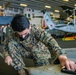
pixel 41 54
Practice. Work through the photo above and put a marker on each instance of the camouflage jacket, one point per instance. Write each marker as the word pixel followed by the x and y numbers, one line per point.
pixel 40 43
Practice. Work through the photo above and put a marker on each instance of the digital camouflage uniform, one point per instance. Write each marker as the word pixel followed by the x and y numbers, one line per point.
pixel 40 45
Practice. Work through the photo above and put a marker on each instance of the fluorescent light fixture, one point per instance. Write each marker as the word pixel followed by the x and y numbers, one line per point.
pixel 0 6
pixel 65 0
pixel 51 13
pixel 71 16
pixel 23 5
pixel 75 5
pixel 47 6
pixel 56 10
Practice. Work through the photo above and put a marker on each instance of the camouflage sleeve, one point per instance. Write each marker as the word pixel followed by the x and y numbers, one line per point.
pixel 5 48
pixel 48 40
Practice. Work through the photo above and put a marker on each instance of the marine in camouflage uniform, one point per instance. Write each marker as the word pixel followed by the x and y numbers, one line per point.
pixel 40 45
pixel 8 30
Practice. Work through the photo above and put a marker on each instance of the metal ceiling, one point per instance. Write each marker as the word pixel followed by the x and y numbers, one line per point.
pixel 40 5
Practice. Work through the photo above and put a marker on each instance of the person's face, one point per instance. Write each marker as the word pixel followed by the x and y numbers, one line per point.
pixel 24 33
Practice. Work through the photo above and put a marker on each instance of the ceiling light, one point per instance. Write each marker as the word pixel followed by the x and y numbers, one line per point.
pixel 23 5
pixel 56 10
pixel 47 6
pixel 0 6
pixel 51 13
pixel 75 5
pixel 71 16
pixel 66 0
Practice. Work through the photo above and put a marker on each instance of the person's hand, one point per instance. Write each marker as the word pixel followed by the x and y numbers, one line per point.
pixel 67 63
pixel 8 60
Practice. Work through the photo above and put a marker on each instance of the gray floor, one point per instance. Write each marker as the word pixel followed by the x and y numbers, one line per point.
pixel 67 45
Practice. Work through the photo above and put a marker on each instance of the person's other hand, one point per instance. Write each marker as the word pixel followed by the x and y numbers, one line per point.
pixel 8 60
pixel 67 63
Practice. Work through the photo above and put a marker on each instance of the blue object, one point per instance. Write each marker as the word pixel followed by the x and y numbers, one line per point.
pixel 5 20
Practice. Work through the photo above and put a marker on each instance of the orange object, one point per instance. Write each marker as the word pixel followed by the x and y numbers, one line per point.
pixel 69 38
